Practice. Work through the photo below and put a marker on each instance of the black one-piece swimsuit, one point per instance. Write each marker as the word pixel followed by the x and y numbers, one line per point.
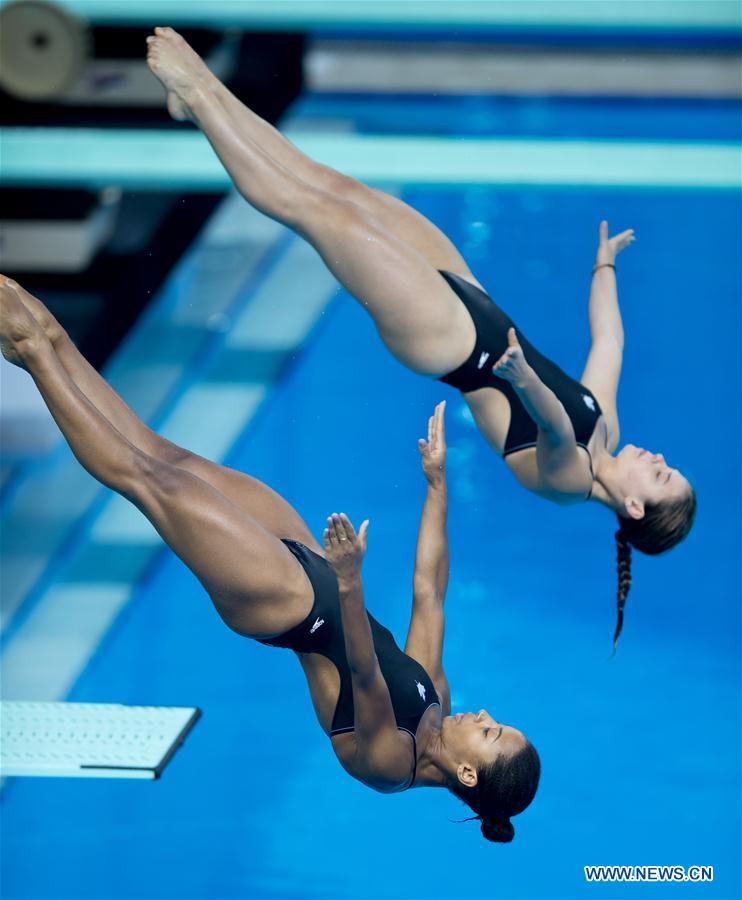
pixel 410 688
pixel 492 326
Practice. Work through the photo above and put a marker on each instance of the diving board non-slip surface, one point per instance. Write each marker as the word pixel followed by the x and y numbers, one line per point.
pixel 90 740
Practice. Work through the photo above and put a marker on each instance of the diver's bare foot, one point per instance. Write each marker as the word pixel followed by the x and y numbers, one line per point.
pixel 180 69
pixel 50 326
pixel 20 333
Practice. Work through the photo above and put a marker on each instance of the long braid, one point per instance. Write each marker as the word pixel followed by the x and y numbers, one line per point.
pixel 623 559
pixel 662 526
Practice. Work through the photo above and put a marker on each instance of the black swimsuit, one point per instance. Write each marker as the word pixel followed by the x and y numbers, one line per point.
pixel 492 326
pixel 410 688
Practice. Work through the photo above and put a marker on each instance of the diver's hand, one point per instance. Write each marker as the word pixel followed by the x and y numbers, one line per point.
pixel 512 365
pixel 609 248
pixel 433 451
pixel 344 548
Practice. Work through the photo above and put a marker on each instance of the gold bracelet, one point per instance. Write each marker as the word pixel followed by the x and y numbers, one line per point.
pixel 603 266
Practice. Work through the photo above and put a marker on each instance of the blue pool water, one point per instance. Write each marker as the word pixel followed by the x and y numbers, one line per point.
pixel 479 115
pixel 640 753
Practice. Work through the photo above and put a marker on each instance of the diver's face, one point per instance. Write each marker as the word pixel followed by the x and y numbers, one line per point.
pixel 648 478
pixel 478 739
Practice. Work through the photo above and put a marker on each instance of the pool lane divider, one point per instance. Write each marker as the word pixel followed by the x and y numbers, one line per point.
pixel 167 160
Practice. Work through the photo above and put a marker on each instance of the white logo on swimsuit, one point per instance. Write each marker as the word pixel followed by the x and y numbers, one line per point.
pixel 316 625
pixel 482 360
pixel 420 689
pixel 589 402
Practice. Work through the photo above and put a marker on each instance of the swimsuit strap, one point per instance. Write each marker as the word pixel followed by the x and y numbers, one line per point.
pixel 414 755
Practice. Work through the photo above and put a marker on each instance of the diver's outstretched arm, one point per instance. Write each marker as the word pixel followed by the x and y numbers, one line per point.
pixel 430 581
pixel 603 368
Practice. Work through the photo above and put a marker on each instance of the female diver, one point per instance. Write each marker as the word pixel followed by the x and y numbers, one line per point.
pixel 557 435
pixel 387 712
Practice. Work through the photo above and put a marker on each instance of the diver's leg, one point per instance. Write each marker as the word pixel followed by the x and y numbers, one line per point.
pixel 397 217
pixel 417 315
pixel 255 583
pixel 273 512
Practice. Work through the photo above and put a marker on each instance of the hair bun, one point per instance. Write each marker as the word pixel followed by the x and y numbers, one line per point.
pixel 499 831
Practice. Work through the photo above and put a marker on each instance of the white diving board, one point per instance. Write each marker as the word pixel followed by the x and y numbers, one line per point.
pixel 90 740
